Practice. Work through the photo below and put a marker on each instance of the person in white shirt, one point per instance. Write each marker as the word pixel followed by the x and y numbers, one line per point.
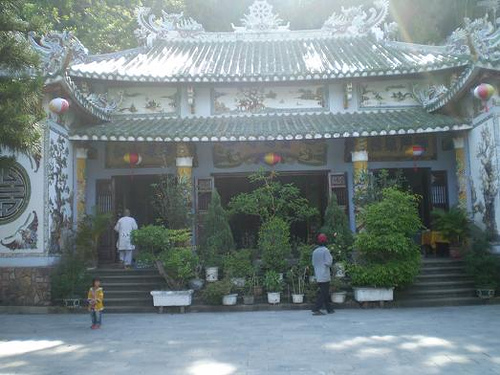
pixel 322 261
pixel 124 227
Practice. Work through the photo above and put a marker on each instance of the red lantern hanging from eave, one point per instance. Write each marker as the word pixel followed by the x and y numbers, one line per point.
pixel 415 152
pixel 272 158
pixel 484 92
pixel 132 158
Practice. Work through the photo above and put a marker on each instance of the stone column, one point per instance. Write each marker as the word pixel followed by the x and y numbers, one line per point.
pixel 460 166
pixel 81 181
pixel 360 170
pixel 184 164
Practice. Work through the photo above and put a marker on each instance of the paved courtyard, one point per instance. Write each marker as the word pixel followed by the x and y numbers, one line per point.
pixel 459 340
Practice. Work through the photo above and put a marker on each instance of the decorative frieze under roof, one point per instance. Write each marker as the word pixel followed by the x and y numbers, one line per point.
pixel 271 127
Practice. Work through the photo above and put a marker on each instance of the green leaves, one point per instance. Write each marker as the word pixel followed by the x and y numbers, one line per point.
pixel 274 244
pixel 151 238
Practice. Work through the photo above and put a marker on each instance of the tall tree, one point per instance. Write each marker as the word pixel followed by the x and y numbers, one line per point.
pixel 20 90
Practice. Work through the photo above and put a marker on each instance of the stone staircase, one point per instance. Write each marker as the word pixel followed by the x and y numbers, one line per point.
pixel 442 282
pixel 127 291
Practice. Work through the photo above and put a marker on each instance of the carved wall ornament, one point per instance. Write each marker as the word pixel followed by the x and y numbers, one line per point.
pixel 479 38
pixel 26 235
pixel 355 21
pixel 169 26
pixel 57 51
pixel 427 95
pixel 15 192
pixel 261 18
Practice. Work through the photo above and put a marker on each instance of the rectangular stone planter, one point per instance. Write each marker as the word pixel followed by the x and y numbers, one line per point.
pixel 373 294
pixel 165 298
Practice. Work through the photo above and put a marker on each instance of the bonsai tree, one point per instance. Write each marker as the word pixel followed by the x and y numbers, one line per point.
pixel 178 266
pixel 272 282
pixel 337 229
pixel 453 224
pixel 388 256
pixel 216 237
pixel 274 244
pixel 151 239
pixel 214 292
pixel 238 264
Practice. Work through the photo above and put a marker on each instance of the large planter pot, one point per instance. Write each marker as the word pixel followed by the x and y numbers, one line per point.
pixel 163 298
pixel 248 300
pixel 230 299
pixel 273 298
pixel 196 284
pixel 373 294
pixel 485 292
pixel 339 270
pixel 339 297
pixel 258 291
pixel 297 298
pixel 238 281
pixel 212 274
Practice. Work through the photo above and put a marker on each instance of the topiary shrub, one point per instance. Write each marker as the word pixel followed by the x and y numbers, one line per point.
pixel 388 256
pixel 238 264
pixel 274 244
pixel 216 237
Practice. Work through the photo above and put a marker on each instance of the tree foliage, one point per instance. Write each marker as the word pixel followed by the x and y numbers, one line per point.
pixel 20 91
pixel 274 244
pixel 337 229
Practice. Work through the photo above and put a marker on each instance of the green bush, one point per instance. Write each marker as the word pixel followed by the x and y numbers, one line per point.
pixel 151 238
pixel 171 201
pixel 145 260
pixel 388 257
pixel 69 279
pixel 453 224
pixel 179 237
pixel 337 229
pixel 480 263
pixel 305 256
pixel 272 282
pixel 238 264
pixel 179 264
pixel 274 244
pixel 216 236
pixel 214 292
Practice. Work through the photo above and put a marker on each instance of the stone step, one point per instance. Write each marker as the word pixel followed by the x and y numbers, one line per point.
pixel 442 277
pixel 444 293
pixel 131 301
pixel 131 279
pixel 465 283
pixel 123 272
pixel 132 287
pixel 438 302
pixel 126 293
pixel 441 262
pixel 441 270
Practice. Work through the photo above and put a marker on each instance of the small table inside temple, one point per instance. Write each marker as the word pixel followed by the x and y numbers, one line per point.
pixel 432 238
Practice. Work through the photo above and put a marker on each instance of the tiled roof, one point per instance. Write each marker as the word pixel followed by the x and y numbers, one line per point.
pixel 232 58
pixel 271 127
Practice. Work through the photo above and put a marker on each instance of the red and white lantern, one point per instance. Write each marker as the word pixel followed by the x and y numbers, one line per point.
pixel 132 158
pixel 484 92
pixel 58 105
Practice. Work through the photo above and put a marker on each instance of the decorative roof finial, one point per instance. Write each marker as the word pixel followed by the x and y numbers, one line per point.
pixel 354 21
pixel 169 26
pixel 261 19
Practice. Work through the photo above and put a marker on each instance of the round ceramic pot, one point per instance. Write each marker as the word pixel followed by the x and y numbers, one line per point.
pixel 339 297
pixel 273 298
pixel 212 274
pixel 297 298
pixel 196 284
pixel 238 281
pixel 229 300
pixel 248 300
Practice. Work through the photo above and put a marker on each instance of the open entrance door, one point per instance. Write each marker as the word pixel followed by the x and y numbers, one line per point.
pixel 313 185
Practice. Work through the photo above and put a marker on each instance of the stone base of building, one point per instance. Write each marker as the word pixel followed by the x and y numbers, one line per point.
pixel 25 286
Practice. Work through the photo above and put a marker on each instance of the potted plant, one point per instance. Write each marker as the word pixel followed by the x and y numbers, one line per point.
pixel 338 294
pixel 216 238
pixel 274 286
pixel 248 290
pixel 274 244
pixel 454 226
pixel 387 255
pixel 297 278
pixel 482 265
pixel 219 292
pixel 238 266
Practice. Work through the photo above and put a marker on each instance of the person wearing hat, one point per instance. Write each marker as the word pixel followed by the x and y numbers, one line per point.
pixel 322 261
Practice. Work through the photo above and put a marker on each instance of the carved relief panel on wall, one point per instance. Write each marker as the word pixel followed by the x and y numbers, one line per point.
pixel 145 100
pixel 260 99
pixel 386 94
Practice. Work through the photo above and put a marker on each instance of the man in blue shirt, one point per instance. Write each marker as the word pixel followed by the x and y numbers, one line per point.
pixel 322 261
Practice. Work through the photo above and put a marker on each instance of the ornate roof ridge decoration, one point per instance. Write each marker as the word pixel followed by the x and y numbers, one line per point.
pixel 57 50
pixel 90 104
pixel 169 26
pixel 261 19
pixel 354 21
pixel 479 38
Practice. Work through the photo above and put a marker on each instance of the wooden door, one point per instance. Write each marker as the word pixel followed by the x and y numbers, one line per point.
pixel 105 203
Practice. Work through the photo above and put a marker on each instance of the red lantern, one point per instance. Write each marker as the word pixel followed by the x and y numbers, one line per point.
pixel 58 105
pixel 272 158
pixel 415 152
pixel 132 158
pixel 484 92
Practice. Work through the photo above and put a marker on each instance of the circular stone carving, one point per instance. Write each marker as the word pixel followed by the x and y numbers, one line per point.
pixel 15 192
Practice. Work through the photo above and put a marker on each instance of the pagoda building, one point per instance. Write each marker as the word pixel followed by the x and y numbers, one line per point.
pixel 320 107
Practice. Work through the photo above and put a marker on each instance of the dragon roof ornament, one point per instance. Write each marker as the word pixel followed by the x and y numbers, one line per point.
pixel 261 19
pixel 57 51
pixel 169 26
pixel 355 21
pixel 479 38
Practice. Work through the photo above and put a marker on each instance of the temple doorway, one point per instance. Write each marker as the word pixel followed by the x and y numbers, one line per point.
pixel 313 186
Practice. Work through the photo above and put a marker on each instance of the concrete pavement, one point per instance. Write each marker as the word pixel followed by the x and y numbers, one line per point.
pixel 452 340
